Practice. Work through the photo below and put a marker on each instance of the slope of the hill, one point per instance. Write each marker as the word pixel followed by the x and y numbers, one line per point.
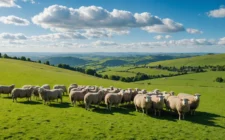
pixel 33 120
pixel 216 59
pixel 72 61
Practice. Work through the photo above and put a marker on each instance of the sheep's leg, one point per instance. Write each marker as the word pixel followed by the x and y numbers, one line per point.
pixel 143 111
pixel 183 115
pixel 136 108
pixel 155 112
pixel 179 115
pixel 110 107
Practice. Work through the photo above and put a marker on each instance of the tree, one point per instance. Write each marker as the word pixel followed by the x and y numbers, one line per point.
pixel 47 63
pixel 0 55
pixel 23 58
pixel 106 76
pixel 90 71
pixel 219 79
pixel 28 59
pixel 39 61
pixel 5 56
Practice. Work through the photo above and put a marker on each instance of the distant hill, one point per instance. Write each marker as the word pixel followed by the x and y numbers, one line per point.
pixel 72 61
pixel 114 62
pixel 211 59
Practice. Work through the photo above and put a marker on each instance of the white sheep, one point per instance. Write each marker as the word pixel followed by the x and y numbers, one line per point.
pixel 46 86
pixel 22 93
pixel 93 98
pixel 143 101
pixel 113 99
pixel 63 87
pixel 157 103
pixel 49 95
pixel 6 89
pixel 77 96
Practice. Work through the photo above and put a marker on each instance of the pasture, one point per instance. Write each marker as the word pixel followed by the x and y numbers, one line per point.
pixel 33 120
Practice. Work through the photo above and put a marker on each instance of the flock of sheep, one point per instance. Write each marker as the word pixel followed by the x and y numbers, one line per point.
pixel 154 100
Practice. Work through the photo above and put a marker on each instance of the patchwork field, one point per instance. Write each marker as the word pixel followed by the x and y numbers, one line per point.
pixel 33 120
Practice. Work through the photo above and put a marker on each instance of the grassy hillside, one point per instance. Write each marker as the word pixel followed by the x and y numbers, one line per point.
pixel 193 61
pixel 123 74
pixel 72 61
pixel 151 71
pixel 33 120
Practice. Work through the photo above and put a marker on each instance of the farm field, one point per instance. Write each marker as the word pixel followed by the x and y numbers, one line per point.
pixel 33 120
pixel 193 61
pixel 123 74
pixel 152 71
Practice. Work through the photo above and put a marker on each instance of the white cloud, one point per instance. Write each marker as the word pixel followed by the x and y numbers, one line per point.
pixel 31 1
pixel 217 13
pixel 221 41
pixel 168 26
pixel 193 31
pixel 168 36
pixel 14 20
pixel 160 37
pixel 58 36
pixel 104 43
pixel 62 18
pixel 9 36
pixel 8 3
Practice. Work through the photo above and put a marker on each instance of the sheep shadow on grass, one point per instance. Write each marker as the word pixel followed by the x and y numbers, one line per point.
pixel 29 102
pixel 204 118
pixel 60 105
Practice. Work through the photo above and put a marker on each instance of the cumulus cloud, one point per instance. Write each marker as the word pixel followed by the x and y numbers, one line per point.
pixel 8 3
pixel 9 36
pixel 160 37
pixel 193 31
pixel 31 1
pixel 14 20
pixel 104 43
pixel 58 36
pixel 168 26
pixel 57 17
pixel 217 13
pixel 221 41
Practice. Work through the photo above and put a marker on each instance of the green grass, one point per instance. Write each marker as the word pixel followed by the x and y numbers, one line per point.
pixel 151 71
pixel 193 61
pixel 123 74
pixel 33 120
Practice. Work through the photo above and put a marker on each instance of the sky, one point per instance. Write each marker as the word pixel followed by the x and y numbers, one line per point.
pixel 112 26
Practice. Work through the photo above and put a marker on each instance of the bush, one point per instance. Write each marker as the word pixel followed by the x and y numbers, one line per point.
pixel 219 79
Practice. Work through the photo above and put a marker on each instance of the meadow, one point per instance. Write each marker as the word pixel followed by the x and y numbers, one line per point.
pixel 152 71
pixel 33 120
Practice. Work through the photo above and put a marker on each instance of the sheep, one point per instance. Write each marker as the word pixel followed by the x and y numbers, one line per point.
pixel 115 90
pixel 134 93
pixel 127 96
pixel 77 96
pixel 61 87
pixel 46 86
pixel 194 101
pixel 72 86
pixel 143 91
pixel 178 104
pixel 93 98
pixel 142 101
pixel 113 99
pixel 157 103
pixel 35 90
pixel 49 95
pixel 96 89
pixel 156 91
pixel 22 93
pixel 6 89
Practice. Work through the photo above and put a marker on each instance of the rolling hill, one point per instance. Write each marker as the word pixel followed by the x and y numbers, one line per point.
pixel 72 61
pixel 33 120
pixel 215 59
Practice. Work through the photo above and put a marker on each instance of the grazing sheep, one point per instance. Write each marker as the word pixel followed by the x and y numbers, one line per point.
pixel 35 89
pixel 96 89
pixel 49 95
pixel 113 99
pixel 143 101
pixel 194 101
pixel 6 89
pixel 46 86
pixel 77 96
pixel 72 86
pixel 143 91
pixel 178 104
pixel 157 103
pixel 127 96
pixel 115 90
pixel 61 87
pixel 22 93
pixel 93 98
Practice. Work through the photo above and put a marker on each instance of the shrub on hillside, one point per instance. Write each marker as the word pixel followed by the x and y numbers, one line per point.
pixel 219 79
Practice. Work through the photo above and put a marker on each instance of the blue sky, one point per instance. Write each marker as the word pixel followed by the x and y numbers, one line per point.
pixel 112 26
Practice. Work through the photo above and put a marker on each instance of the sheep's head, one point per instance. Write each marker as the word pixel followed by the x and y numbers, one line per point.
pixel 184 101
pixel 147 98
pixel 160 98
pixel 197 96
